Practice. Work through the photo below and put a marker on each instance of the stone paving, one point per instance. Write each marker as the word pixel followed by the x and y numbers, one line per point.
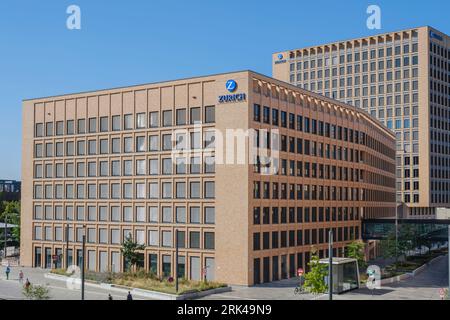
pixel 425 286
pixel 12 288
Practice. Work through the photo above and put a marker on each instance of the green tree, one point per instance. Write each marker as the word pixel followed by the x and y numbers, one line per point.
pixel 10 213
pixel 315 278
pixel 355 250
pixel 36 292
pixel 130 251
pixel 388 247
pixel 406 241
pixel 9 209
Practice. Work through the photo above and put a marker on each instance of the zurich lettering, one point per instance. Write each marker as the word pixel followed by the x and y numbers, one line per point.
pixel 238 97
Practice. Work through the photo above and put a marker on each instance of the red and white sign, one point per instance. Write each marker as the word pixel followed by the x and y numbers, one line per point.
pixel 300 272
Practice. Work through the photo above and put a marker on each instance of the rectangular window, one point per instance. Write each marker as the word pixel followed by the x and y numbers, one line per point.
pixel 208 239
pixel 210 116
pixel 140 167
pixel 181 117
pixel 140 144
pixel 153 143
pixel 167 239
pixel 116 123
pixel 153 238
pixel 195 115
pixel 81 126
pixel 210 215
pixel 154 119
pixel 141 121
pixel 167 190
pixel 153 164
pixel 59 128
pixel 194 190
pixel 180 214
pixel 49 129
pixel 127 144
pixel 209 189
pixel 167 118
pixel 92 125
pixel 70 127
pixel 194 215
pixel 103 124
pixel 195 165
pixel 128 122
pixel 194 239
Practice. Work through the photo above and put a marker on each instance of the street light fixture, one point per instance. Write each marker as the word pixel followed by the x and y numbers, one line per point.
pixel 330 265
pixel 6 234
pixel 176 260
pixel 83 263
pixel 67 246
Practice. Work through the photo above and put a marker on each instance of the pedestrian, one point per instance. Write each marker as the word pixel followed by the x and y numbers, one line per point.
pixel 110 296
pixel 8 270
pixel 27 284
pixel 21 276
pixel 129 296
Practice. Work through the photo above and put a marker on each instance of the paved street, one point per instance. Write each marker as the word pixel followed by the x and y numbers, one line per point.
pixel 12 289
pixel 424 286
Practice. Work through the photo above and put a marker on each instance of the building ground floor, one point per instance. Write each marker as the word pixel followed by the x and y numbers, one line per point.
pixel 196 266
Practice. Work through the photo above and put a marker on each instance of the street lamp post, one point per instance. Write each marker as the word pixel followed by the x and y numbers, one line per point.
pixel 396 234
pixel 67 246
pixel 330 265
pixel 83 250
pixel 176 260
pixel 6 234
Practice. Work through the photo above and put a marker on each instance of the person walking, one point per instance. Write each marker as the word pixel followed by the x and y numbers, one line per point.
pixel 110 296
pixel 27 284
pixel 20 276
pixel 129 296
pixel 8 270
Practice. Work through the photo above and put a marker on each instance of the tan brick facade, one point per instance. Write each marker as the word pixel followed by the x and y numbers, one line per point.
pixel 92 162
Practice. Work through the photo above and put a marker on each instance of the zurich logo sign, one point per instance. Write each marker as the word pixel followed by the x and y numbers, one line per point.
pixel 231 85
pixel 281 59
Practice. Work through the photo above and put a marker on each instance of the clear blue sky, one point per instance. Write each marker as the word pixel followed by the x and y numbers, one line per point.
pixel 132 42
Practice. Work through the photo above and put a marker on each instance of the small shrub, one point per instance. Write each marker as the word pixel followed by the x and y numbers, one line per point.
pixel 36 292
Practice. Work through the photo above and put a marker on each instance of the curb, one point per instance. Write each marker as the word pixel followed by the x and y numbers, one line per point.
pixel 144 293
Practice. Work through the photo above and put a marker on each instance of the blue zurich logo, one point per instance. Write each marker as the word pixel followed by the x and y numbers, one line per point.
pixel 231 85
pixel 280 57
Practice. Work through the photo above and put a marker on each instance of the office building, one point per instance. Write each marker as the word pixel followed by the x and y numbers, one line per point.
pixel 402 78
pixel 249 171
pixel 9 190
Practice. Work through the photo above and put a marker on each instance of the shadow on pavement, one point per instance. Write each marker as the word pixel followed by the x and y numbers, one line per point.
pixel 368 292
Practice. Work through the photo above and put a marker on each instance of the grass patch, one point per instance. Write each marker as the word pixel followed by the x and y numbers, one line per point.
pixel 147 281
